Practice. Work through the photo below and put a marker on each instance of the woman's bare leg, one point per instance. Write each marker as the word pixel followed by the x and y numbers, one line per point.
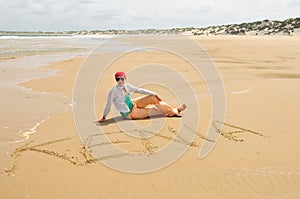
pixel 160 109
pixel 140 113
pixel 144 101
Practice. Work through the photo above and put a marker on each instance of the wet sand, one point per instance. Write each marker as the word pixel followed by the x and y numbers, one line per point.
pixel 256 155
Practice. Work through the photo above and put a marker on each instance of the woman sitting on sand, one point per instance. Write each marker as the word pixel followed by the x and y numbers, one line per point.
pixel 137 108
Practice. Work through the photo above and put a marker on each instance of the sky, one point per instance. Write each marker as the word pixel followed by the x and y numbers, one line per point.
pixel 63 15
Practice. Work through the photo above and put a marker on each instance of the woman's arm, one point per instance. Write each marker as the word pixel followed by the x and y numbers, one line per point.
pixel 108 105
pixel 139 90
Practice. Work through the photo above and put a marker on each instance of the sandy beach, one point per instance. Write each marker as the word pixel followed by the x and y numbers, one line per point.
pixel 256 155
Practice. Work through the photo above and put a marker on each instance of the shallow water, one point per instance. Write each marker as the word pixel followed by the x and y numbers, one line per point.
pixel 13 47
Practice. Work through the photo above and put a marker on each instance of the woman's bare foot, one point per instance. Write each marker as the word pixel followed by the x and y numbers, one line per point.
pixel 181 108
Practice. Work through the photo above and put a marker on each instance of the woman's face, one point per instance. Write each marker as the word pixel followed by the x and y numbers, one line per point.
pixel 120 80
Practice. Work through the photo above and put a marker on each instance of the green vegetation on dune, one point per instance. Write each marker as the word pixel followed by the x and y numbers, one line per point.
pixel 266 27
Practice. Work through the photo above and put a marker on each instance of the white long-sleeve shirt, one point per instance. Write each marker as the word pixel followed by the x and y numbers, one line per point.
pixel 116 95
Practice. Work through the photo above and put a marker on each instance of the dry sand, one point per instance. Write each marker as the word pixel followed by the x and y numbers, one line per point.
pixel 257 155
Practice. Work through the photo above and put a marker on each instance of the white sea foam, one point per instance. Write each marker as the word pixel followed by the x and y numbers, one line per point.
pixel 241 91
pixel 72 104
pixel 57 37
pixel 30 131
pixel 94 36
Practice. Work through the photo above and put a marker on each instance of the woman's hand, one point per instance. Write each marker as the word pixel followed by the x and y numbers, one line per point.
pixel 101 120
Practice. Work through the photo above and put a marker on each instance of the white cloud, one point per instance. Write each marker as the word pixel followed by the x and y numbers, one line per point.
pixel 136 14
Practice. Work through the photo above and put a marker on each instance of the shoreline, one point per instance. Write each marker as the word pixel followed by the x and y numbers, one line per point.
pixel 32 110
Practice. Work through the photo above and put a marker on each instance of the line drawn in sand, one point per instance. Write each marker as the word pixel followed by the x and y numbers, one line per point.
pixel 36 148
pixel 178 138
pixel 232 135
pixel 86 158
